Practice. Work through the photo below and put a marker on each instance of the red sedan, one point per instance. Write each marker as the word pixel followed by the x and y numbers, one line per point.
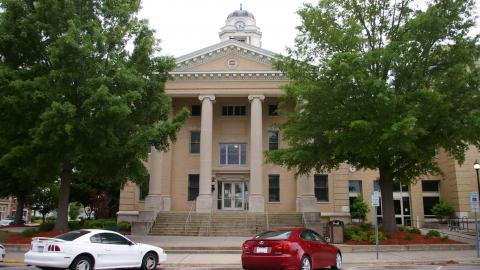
pixel 290 249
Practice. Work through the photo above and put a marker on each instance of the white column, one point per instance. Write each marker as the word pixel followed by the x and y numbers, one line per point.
pixel 204 199
pixel 155 200
pixel 257 199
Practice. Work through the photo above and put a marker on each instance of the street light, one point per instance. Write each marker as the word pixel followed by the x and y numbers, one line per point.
pixel 476 166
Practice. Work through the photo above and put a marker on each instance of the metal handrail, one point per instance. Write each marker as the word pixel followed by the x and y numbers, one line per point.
pixel 210 221
pixel 246 221
pixel 266 216
pixel 304 219
pixel 189 217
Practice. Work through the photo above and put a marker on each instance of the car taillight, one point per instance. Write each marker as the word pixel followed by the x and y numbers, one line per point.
pixel 53 248
pixel 281 248
pixel 246 248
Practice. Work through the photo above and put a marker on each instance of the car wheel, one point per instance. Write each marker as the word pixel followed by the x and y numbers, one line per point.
pixel 150 261
pixel 338 262
pixel 82 262
pixel 306 265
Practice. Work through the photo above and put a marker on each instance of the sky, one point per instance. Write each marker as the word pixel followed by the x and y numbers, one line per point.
pixel 185 26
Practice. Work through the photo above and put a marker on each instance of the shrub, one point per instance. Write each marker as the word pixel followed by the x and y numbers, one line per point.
pixel 402 229
pixel 124 226
pixel 359 209
pixel 445 238
pixel 74 210
pixel 46 226
pixel 414 230
pixel 371 238
pixel 29 233
pixel 51 219
pixel 433 233
pixel 74 225
pixel 408 237
pixel 442 210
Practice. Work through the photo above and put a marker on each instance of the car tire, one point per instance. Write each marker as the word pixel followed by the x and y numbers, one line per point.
pixel 82 262
pixel 149 261
pixel 305 263
pixel 338 262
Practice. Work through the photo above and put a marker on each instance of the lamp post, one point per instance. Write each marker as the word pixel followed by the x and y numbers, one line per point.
pixel 476 166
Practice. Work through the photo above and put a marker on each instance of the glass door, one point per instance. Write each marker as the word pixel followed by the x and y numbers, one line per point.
pixel 233 195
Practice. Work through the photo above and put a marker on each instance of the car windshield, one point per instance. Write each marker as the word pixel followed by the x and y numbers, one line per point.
pixel 70 236
pixel 275 235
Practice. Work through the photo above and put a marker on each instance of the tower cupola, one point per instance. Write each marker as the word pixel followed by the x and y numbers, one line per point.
pixel 241 26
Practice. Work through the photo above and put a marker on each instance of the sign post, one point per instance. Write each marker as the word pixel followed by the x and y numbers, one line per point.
pixel 475 208
pixel 375 204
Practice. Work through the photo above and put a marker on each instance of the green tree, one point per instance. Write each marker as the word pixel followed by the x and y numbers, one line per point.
pixel 74 209
pixel 381 85
pixel 88 78
pixel 359 209
pixel 44 199
pixel 443 210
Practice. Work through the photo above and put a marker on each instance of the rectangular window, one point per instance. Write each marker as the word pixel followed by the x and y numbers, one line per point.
pixel 399 188
pixel 428 203
pixel 355 186
pixel 376 185
pixel 196 110
pixel 272 140
pixel 194 142
pixel 233 153
pixel 430 186
pixel 321 187
pixel 233 110
pixel 274 188
pixel 273 109
pixel 193 186
pixel 143 188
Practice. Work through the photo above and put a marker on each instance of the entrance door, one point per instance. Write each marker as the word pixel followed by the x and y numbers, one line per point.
pixel 233 195
pixel 402 211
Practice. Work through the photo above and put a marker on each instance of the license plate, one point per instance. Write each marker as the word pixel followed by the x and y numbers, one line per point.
pixel 39 248
pixel 261 250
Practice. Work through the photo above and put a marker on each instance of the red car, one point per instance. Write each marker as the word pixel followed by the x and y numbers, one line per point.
pixel 290 249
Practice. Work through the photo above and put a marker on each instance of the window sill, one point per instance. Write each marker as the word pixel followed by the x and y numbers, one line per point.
pixel 323 202
pixel 274 202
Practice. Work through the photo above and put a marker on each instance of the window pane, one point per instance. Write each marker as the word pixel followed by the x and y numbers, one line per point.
pixel 233 154
pixel 430 186
pixel 242 110
pixel 223 153
pixel 428 203
pixel 196 110
pixel 376 186
pixel 273 140
pixel 273 188
pixel 273 109
pixel 243 157
pixel 193 186
pixel 396 186
pixel 224 110
pixel 355 186
pixel 230 110
pixel 397 207
pixel 321 187
pixel 195 142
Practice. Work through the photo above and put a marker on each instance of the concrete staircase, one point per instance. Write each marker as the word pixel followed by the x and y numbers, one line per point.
pixel 221 223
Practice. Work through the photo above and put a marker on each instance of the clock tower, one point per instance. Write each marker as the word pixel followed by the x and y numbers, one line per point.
pixel 241 26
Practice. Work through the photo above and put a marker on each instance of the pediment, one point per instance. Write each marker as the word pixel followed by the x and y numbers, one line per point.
pixel 228 56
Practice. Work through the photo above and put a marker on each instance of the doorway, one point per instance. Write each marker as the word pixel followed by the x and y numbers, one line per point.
pixel 233 196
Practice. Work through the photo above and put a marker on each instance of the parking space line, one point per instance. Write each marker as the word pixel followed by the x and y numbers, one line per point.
pixel 438 268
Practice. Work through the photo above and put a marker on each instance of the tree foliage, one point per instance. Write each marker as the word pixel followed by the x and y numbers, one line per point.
pixel 44 199
pixel 381 85
pixel 82 87
pixel 443 210
pixel 359 209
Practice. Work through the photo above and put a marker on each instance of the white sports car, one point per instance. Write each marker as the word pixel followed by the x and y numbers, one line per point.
pixel 92 249
pixel 2 253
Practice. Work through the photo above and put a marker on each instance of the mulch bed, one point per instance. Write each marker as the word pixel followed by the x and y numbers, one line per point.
pixel 20 239
pixel 398 238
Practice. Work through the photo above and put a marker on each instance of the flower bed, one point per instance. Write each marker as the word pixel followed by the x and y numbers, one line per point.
pixel 406 238
pixel 20 239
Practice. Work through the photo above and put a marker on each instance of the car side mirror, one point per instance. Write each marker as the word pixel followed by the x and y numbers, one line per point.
pixel 328 240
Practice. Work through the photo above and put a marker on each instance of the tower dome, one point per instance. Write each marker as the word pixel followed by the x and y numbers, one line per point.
pixel 240 13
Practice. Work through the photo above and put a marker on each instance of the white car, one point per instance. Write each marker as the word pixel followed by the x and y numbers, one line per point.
pixel 92 249
pixel 2 253
pixel 6 222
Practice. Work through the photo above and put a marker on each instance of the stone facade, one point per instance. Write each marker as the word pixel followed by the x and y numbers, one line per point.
pixel 233 87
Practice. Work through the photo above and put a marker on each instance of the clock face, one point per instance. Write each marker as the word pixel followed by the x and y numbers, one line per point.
pixel 239 25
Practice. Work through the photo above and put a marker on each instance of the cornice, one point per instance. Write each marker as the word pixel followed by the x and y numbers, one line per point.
pixel 230 75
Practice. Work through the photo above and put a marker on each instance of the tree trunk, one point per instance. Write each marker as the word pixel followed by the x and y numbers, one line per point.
pixel 19 211
pixel 64 197
pixel 388 211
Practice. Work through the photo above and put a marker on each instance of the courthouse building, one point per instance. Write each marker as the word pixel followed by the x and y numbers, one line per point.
pixel 217 163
